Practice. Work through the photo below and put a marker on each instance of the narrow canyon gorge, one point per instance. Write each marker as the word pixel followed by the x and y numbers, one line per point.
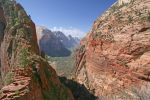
pixel 112 62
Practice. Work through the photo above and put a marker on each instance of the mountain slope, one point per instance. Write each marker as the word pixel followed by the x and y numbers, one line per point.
pixel 24 74
pixel 114 58
pixel 50 44
pixel 68 41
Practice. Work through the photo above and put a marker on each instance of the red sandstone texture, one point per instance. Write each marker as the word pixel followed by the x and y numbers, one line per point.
pixel 24 74
pixel 114 59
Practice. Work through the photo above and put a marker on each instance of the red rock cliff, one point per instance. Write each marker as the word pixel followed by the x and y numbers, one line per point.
pixel 114 59
pixel 24 74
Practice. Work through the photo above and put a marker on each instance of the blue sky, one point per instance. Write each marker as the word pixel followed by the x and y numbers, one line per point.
pixel 70 16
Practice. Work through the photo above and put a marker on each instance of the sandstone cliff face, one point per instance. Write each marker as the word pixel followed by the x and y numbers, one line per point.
pixel 24 74
pixel 114 59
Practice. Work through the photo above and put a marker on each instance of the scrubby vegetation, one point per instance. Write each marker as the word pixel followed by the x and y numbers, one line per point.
pixel 103 37
pixel 23 57
pixel 63 65
pixel 8 78
pixel 147 18
pixel 82 48
pixel 130 19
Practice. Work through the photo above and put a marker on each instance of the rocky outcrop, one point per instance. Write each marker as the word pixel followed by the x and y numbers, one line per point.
pixel 120 2
pixel 50 44
pixel 25 75
pixel 114 59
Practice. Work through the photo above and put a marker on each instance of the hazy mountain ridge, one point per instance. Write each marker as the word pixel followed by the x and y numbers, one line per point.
pixel 50 44
pixel 68 41
pixel 55 43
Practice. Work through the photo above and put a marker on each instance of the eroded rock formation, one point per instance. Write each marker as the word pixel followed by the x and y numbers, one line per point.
pixel 24 74
pixel 114 59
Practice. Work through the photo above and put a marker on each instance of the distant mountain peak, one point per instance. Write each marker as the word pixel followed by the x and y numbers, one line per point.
pixel 69 41
pixel 50 44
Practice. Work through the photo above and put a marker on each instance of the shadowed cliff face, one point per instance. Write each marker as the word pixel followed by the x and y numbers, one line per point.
pixel 2 24
pixel 79 91
pixel 114 58
pixel 2 28
pixel 25 75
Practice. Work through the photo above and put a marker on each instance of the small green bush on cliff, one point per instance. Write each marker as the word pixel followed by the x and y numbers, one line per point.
pixel 103 37
pixel 8 78
pixel 17 92
pixel 146 17
pixel 96 35
pixel 26 20
pixel 24 59
pixel 16 21
pixel 82 48
pixel 130 19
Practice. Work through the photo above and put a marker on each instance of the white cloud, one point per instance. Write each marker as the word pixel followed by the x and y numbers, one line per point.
pixel 70 31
